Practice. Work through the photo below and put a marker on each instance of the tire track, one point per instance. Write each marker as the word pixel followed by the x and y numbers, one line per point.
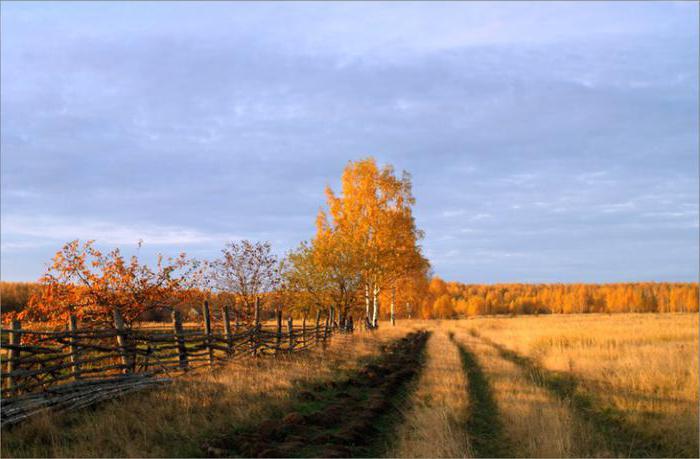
pixel 436 411
pixel 484 424
pixel 351 417
pixel 621 436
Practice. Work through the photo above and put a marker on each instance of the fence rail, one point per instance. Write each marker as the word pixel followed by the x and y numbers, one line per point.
pixel 47 362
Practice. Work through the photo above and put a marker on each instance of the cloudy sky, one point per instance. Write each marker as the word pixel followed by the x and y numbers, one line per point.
pixel 547 142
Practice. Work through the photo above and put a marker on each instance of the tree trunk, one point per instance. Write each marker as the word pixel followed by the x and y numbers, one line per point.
pixel 393 316
pixel 375 305
pixel 367 300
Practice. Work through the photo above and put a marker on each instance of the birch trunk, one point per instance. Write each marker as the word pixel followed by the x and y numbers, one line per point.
pixel 367 300
pixel 375 305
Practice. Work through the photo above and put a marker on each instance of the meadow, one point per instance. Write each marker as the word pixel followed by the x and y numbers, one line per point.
pixel 622 385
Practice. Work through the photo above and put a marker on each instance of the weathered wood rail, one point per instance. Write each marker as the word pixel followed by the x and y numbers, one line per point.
pixel 67 368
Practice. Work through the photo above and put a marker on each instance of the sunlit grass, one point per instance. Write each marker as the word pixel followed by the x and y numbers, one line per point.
pixel 177 419
pixel 437 411
pixel 644 365
pixel 641 366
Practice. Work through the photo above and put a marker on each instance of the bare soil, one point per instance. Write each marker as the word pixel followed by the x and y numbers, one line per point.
pixel 347 417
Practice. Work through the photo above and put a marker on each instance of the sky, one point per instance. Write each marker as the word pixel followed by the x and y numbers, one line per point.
pixel 547 142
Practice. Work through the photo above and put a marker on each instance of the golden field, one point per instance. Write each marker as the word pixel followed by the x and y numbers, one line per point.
pixel 644 365
pixel 592 385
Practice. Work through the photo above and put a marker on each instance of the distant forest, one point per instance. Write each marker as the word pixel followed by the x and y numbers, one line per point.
pixel 454 299
pixel 448 300
pixel 14 296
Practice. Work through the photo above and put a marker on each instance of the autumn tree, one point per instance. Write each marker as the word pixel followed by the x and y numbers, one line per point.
pixel 444 307
pixel 304 282
pixel 14 296
pixel 372 220
pixel 336 256
pixel 248 270
pixel 562 298
pixel 410 293
pixel 322 273
pixel 92 285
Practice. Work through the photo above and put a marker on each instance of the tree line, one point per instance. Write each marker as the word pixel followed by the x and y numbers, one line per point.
pixel 454 299
pixel 364 255
pixel 364 262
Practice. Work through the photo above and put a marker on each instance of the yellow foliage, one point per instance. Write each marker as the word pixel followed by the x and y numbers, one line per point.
pixel 469 300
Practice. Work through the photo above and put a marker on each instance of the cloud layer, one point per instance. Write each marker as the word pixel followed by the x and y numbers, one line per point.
pixel 547 142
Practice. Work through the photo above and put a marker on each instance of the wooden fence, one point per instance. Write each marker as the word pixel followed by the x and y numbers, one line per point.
pixel 47 361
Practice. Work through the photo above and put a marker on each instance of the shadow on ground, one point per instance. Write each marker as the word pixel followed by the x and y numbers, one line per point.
pixel 350 417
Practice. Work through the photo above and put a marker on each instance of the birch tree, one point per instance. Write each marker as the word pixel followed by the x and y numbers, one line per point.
pixel 372 219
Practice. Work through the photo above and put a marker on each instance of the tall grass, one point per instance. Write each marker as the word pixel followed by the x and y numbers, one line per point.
pixel 535 423
pixel 177 420
pixel 434 422
pixel 644 366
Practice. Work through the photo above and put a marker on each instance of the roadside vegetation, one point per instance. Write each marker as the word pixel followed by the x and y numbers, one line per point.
pixel 185 417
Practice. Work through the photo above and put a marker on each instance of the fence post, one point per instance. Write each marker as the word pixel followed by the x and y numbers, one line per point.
pixel 318 325
pixel 13 357
pixel 256 328
pixel 279 330
pixel 180 340
pixel 290 328
pixel 303 331
pixel 257 310
pixel 227 328
pixel 122 341
pixel 237 318
pixel 326 329
pixel 73 348
pixel 207 331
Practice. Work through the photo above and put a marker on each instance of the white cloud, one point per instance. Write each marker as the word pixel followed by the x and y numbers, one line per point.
pixel 453 213
pixel 595 178
pixel 481 216
pixel 22 231
pixel 618 207
pixel 263 104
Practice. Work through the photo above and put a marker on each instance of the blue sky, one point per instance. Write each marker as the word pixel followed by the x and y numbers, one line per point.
pixel 551 142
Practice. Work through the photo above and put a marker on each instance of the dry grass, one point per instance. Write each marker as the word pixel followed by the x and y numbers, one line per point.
pixel 536 424
pixel 434 421
pixel 645 365
pixel 176 420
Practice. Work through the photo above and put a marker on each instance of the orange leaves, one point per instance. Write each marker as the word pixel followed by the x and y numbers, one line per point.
pixel 563 298
pixel 373 212
pixel 369 229
pixel 83 281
